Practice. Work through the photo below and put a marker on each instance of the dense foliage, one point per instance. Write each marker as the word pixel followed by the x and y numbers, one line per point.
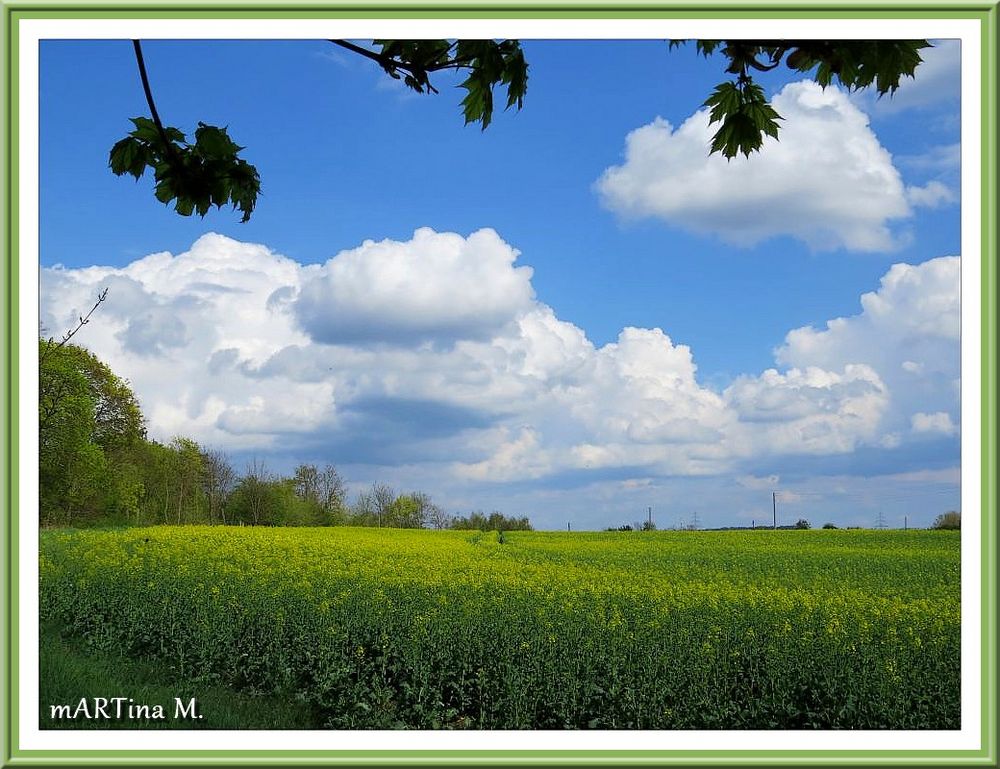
pixel 448 629
pixel 98 468
pixel 90 436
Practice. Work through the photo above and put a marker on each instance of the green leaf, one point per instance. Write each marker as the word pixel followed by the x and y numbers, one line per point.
pixel 145 129
pixel 516 78
pixel 478 102
pixel 746 118
pixel 164 192
pixel 122 155
pixel 214 142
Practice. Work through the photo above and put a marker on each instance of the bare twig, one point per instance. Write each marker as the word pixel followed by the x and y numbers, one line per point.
pixel 83 321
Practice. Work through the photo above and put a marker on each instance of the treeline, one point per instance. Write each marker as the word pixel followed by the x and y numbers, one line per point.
pixel 98 467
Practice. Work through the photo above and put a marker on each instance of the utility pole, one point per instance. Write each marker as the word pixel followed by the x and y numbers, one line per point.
pixel 774 507
pixel 905 527
pixel 568 526
pixel 649 517
pixel 880 521
pixel 695 521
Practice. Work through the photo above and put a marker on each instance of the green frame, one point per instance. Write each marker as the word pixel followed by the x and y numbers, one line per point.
pixel 12 12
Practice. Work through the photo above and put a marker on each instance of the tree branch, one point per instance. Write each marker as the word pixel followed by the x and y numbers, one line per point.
pixel 388 63
pixel 767 67
pixel 385 61
pixel 149 95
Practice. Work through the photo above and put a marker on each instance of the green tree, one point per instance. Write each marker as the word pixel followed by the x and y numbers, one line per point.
pixel 252 501
pixel 411 511
pixel 495 521
pixel 438 518
pixel 218 479
pixel 374 506
pixel 117 418
pixel 186 472
pixel 66 425
pixel 89 427
pixel 950 520
pixel 332 496
pixel 209 171
pixel 321 494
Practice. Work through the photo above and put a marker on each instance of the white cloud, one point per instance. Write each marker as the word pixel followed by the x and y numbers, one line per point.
pixel 908 331
pixel 758 483
pixel 515 458
pixel 932 195
pixel 809 411
pixel 827 182
pixel 938 422
pixel 448 369
pixel 437 286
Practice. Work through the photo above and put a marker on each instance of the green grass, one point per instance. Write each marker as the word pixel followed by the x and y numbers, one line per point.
pixel 68 671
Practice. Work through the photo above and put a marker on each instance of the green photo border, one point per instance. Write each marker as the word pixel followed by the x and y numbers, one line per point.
pixel 15 11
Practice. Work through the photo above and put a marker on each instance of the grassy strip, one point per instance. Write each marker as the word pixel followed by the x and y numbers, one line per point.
pixel 69 672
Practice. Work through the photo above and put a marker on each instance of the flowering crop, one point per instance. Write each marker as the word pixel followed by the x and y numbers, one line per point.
pixel 382 628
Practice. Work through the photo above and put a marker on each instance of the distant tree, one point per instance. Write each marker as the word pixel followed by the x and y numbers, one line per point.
pixel 950 520
pixel 495 521
pixel 802 523
pixel 306 483
pixel 332 495
pixel 473 521
pixel 218 480
pixel 648 525
pixel 383 497
pixel 374 506
pixel 409 511
pixel 829 526
pixel 251 501
pixel 186 472
pixel 437 518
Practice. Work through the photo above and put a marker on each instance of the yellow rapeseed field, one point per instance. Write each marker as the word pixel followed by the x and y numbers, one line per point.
pixel 382 628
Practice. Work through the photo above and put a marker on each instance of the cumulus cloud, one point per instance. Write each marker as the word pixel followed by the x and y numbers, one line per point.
pixel 449 362
pixel 435 287
pixel 828 181
pixel 810 410
pixel 908 331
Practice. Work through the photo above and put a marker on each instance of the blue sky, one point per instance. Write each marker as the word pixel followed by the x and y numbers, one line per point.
pixel 601 186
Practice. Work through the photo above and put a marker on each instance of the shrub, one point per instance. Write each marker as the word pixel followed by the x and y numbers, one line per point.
pixel 950 520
